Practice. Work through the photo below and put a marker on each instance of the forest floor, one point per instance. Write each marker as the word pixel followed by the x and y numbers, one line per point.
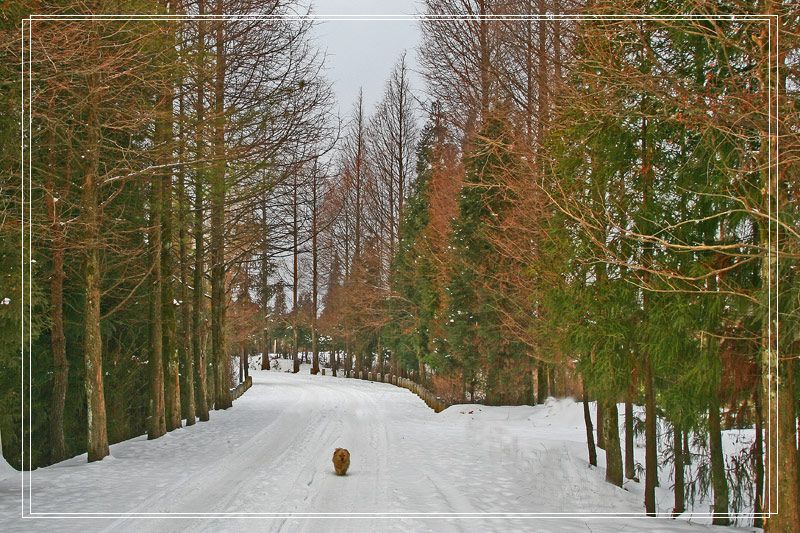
pixel 271 453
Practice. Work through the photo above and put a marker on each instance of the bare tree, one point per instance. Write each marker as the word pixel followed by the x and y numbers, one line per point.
pixel 393 138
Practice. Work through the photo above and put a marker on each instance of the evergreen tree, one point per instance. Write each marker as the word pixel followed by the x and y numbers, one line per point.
pixel 413 270
pixel 475 339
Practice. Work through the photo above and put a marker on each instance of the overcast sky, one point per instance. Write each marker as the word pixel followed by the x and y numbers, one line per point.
pixel 362 53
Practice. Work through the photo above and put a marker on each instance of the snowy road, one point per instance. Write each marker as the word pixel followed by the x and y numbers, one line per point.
pixel 271 453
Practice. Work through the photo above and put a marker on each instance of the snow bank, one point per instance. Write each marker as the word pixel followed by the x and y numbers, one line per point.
pixel 6 470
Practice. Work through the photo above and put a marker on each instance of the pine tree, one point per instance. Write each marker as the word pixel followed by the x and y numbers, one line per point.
pixel 413 275
pixel 475 338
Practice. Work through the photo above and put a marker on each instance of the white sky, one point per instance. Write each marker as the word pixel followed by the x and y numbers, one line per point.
pixel 363 53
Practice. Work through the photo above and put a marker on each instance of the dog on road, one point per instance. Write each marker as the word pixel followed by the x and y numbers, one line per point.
pixel 341 461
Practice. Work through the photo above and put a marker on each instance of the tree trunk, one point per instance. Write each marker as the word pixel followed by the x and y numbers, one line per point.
pixel 157 426
pixel 58 449
pixel 359 362
pixel 679 488
pixel 358 162
pixel 611 438
pixel 395 364
pixel 348 363
pixel 169 350
pixel 198 328
pixel 172 388
pixel 265 271
pixel 241 363
pixel 379 352
pixel 96 429
pixel 650 429
pixel 265 351
pixel 601 441
pixel 185 345
pixel 295 276
pixel 630 466
pixel 211 374
pixel 758 498
pixel 219 349
pixel 314 278
pixel 782 477
pixel 687 454
pixel 492 397
pixel 314 348
pixel 777 364
pixel 651 443
pixel 587 420
pixel 421 367
pixel 541 383
pixel 718 475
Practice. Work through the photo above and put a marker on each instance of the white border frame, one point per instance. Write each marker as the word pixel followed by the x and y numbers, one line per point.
pixel 26 73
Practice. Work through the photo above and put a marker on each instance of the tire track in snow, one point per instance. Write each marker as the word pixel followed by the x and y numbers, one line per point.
pixel 357 425
pixel 205 488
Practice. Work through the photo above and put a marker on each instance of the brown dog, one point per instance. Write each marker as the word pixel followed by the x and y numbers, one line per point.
pixel 341 461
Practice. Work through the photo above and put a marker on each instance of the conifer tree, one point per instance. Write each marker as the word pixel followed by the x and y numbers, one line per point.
pixel 413 276
pixel 475 338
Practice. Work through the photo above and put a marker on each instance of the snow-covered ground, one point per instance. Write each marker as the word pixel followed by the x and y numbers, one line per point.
pixel 271 453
